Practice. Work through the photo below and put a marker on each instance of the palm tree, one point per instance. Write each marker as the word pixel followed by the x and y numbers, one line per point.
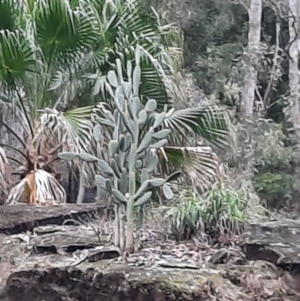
pixel 55 55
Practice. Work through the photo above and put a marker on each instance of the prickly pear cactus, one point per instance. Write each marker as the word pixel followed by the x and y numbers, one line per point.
pixel 132 151
pixel 137 134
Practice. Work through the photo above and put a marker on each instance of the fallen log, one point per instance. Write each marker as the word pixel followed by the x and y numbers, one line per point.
pixel 20 218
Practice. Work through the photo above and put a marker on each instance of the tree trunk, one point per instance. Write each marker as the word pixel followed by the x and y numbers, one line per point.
pixel 11 118
pixel 293 69
pixel 293 111
pixel 81 189
pixel 250 77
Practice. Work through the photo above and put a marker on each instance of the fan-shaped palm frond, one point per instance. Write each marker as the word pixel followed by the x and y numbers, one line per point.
pixel 37 187
pixel 200 164
pixel 211 123
pixel 124 25
pixel 73 129
pixel 10 17
pixel 62 31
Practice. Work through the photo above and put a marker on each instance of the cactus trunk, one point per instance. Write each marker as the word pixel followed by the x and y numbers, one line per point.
pixel 130 203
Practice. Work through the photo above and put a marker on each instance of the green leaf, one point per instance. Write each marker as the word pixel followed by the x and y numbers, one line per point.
pixel 211 123
pixel 162 134
pixel 145 143
pixel 119 196
pixel 152 163
pixel 144 199
pixel 167 191
pixel 9 10
pixel 136 80
pixel 88 158
pixel 16 56
pixel 97 132
pixel 105 167
pixel 142 117
pixel 61 31
pixel 112 78
pixel 151 105
pixel 68 156
pixel 159 119
pixel 103 183
pixel 113 147
pixel 157 182
pixel 174 176
pixel 159 144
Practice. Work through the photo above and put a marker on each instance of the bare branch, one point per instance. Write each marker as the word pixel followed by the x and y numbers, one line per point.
pixel 242 3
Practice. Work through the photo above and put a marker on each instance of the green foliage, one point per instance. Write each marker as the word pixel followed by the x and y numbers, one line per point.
pixel 61 50
pixel 219 211
pixel 274 188
pixel 57 54
pixel 273 179
pixel 219 36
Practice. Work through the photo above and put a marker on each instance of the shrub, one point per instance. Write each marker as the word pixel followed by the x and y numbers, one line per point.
pixel 219 211
pixel 274 188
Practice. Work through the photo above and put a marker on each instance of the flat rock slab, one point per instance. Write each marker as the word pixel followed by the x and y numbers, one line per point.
pixel 88 267
pixel 108 280
pixel 20 218
pixel 276 241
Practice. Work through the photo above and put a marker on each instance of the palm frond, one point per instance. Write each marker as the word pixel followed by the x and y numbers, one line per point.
pixel 126 25
pixel 16 56
pixel 211 123
pixel 61 30
pixel 72 128
pixel 39 186
pixel 9 10
pixel 200 164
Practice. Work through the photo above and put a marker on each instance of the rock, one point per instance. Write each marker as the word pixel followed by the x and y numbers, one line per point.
pixel 277 242
pixel 20 218
pixel 78 262
pixel 109 280
pixel 116 282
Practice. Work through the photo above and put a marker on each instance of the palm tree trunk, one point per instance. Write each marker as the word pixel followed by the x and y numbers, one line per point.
pixel 250 77
pixel 9 117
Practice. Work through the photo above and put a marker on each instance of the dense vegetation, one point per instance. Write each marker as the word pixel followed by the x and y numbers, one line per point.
pixel 216 41
pixel 106 86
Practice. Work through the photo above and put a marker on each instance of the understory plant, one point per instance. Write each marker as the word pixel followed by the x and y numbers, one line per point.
pixel 218 211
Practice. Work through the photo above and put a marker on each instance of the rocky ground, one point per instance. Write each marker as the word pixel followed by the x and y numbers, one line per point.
pixel 66 253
